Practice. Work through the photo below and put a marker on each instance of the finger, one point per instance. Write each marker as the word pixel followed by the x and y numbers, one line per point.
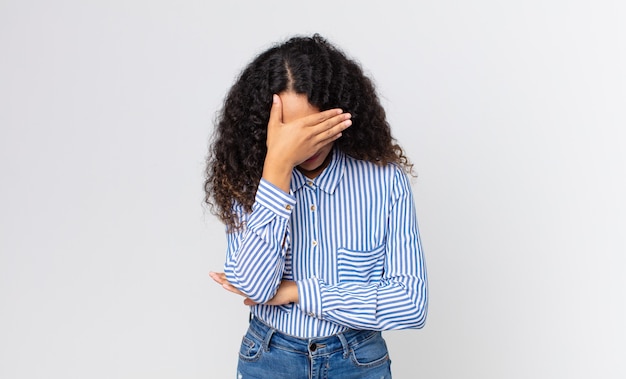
pixel 318 118
pixel 214 276
pixel 276 113
pixel 249 302
pixel 331 129
pixel 220 278
pixel 229 287
pixel 345 118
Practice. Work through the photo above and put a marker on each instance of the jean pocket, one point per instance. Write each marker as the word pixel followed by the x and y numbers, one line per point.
pixel 251 348
pixel 360 266
pixel 370 353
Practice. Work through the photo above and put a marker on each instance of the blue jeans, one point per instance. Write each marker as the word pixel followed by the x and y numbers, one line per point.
pixel 266 353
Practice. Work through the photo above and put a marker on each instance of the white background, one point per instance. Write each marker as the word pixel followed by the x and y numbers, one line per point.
pixel 513 112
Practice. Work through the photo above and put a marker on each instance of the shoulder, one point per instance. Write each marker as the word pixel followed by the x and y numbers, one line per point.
pixel 387 172
pixel 389 178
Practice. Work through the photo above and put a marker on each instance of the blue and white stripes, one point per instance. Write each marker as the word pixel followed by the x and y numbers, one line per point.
pixel 350 240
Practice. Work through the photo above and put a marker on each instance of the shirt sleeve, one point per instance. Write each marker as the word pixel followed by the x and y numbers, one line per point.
pixel 255 257
pixel 399 300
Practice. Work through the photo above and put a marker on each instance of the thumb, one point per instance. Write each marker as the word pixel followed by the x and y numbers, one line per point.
pixel 276 113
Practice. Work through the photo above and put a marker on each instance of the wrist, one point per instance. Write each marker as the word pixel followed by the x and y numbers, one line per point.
pixel 277 172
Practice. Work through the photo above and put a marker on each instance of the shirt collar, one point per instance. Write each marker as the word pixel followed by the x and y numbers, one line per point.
pixel 327 180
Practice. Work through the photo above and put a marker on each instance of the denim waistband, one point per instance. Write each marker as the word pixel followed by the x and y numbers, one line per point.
pixel 316 346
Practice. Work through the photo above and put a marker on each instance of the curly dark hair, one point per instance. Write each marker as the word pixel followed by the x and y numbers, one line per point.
pixel 305 65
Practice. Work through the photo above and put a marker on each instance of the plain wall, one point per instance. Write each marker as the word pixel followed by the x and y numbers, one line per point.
pixel 513 113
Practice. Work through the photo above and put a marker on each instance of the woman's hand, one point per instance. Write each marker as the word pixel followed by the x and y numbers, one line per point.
pixel 292 139
pixel 287 291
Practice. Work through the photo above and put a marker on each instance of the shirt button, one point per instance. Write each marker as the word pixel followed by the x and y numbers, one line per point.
pixel 313 208
pixel 314 243
pixel 288 207
pixel 310 183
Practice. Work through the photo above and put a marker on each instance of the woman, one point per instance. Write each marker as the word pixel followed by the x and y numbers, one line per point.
pixel 323 241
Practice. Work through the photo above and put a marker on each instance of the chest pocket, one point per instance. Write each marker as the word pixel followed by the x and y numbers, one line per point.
pixel 360 266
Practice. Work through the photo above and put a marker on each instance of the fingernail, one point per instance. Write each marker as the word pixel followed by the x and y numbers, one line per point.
pixel 275 98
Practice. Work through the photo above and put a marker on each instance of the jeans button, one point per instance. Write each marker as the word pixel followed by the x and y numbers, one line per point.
pixel 313 346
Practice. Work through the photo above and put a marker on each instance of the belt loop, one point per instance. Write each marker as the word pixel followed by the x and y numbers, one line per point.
pixel 344 344
pixel 268 338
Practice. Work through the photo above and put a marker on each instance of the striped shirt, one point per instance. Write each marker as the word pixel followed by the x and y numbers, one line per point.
pixel 349 238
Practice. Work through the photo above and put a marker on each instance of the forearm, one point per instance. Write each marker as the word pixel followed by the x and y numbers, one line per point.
pixel 278 172
pixel 383 306
pixel 256 255
pixel 257 268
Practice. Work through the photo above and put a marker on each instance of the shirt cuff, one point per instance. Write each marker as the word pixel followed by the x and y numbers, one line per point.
pixel 275 199
pixel 309 297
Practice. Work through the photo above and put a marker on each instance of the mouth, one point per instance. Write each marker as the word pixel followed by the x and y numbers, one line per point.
pixel 312 158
